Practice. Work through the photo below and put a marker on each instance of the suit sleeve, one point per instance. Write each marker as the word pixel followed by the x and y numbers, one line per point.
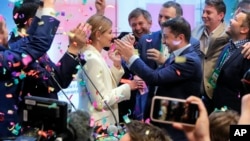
pixel 94 69
pixel 22 53
pixel 62 72
pixel 164 75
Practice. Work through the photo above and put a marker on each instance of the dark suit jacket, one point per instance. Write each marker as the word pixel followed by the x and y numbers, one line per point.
pixel 178 80
pixel 229 88
pixel 37 44
pixel 143 45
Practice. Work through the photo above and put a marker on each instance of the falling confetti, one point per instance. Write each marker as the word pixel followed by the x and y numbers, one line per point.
pixel 26 59
pixel 110 6
pixel 180 59
pixel 126 119
pixel 178 72
pixel 148 40
pixel 53 105
pixel 147 132
pixel 84 2
pixel 41 23
pixel 9 95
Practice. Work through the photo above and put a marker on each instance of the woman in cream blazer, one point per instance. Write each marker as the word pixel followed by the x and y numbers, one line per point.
pixel 97 81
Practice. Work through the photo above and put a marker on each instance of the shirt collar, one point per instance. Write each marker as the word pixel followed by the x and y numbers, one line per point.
pixel 180 50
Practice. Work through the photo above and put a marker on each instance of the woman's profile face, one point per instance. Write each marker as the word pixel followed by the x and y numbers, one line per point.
pixel 106 38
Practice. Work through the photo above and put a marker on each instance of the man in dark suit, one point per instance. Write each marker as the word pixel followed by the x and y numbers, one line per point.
pixel 140 22
pixel 19 57
pixel 232 65
pixel 180 76
pixel 151 49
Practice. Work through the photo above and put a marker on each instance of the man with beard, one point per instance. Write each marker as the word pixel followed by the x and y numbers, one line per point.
pixel 232 65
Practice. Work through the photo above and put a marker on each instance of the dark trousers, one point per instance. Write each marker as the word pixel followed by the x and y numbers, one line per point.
pixel 207 101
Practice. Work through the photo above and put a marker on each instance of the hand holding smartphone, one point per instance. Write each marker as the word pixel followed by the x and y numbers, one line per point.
pixel 171 110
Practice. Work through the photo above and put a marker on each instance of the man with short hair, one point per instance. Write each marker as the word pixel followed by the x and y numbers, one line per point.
pixel 212 37
pixel 174 79
pixel 231 65
pixel 140 22
pixel 151 49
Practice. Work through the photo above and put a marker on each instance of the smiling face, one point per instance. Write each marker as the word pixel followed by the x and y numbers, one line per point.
pixel 211 17
pixel 237 27
pixel 170 40
pixel 140 25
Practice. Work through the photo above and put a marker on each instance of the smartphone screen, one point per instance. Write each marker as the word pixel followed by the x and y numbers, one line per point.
pixel 169 110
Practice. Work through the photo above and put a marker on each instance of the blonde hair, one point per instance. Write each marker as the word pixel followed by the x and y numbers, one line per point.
pixel 99 23
pixel 220 122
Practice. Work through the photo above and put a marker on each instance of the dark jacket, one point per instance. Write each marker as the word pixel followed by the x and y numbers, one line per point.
pixel 177 80
pixel 12 62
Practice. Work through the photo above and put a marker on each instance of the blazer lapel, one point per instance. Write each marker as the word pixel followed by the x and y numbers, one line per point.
pixel 232 57
pixel 218 39
pixel 104 63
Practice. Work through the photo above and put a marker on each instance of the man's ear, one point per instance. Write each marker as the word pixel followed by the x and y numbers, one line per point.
pixel 244 30
pixel 29 21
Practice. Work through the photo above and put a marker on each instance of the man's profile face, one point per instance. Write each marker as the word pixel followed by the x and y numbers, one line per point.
pixel 236 25
pixel 140 26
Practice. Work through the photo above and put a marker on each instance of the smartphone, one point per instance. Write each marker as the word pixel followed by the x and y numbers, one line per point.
pixel 169 110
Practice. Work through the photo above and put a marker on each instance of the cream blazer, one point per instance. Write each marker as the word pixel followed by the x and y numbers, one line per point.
pixel 105 80
pixel 218 41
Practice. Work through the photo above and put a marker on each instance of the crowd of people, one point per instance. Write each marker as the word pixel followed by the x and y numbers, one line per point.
pixel 205 66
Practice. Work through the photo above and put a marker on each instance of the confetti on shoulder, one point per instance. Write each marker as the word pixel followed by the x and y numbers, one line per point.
pixel 41 23
pixel 180 59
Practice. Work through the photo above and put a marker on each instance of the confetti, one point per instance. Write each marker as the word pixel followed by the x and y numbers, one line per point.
pixel 110 6
pixel 148 40
pixel 147 132
pixel 22 75
pixel 41 23
pixel 92 122
pixel 26 59
pixel 126 119
pixel 180 59
pixel 90 8
pixel 51 89
pixel 8 85
pixel 16 64
pixel 129 112
pixel 176 42
pixel 10 112
pixel 84 2
pixel 147 121
pixel 16 81
pixel 178 72
pixel 58 64
pixel 53 105
pixel 15 16
pixel 9 95
pixel 62 13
